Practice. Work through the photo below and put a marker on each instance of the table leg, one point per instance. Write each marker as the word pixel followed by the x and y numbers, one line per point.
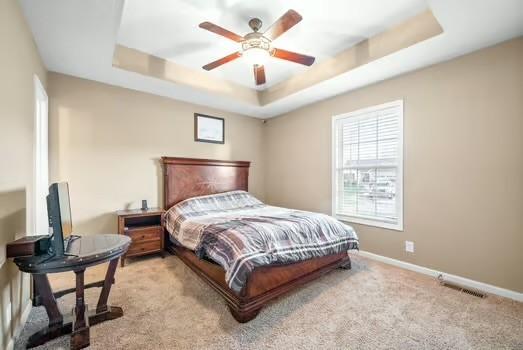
pixel 80 334
pixel 48 300
pixel 56 326
pixel 103 311
pixel 106 289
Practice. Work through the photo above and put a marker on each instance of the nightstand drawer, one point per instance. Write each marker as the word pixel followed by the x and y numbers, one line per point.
pixel 142 234
pixel 144 247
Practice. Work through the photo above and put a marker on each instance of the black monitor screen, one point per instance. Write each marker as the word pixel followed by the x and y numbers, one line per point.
pixel 59 212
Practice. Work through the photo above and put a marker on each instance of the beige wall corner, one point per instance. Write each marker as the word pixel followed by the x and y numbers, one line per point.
pixel 19 61
pixel 463 164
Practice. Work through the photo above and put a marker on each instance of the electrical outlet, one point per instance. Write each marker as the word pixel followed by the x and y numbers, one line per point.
pixel 409 246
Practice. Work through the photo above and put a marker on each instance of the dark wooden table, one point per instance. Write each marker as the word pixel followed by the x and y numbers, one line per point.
pixel 85 251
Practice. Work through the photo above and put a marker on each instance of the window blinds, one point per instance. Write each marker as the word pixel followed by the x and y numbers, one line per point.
pixel 368 165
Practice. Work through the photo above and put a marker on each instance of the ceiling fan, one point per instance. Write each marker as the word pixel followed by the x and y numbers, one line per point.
pixel 257 47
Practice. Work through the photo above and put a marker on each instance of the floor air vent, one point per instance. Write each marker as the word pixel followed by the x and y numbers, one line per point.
pixel 461 288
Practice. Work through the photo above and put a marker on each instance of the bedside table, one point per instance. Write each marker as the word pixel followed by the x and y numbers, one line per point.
pixel 144 227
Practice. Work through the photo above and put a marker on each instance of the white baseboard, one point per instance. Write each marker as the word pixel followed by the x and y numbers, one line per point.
pixel 488 288
pixel 25 316
pixel 18 330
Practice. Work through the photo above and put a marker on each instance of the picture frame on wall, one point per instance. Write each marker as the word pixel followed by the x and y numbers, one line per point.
pixel 209 129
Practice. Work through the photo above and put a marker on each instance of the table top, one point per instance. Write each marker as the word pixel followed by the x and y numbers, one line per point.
pixel 83 251
pixel 138 212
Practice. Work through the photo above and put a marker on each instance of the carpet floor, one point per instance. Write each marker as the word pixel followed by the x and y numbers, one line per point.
pixel 372 306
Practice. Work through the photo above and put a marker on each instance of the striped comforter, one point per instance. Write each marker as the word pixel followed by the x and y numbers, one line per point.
pixel 239 232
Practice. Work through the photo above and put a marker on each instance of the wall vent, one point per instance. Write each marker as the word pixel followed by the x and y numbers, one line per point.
pixel 460 288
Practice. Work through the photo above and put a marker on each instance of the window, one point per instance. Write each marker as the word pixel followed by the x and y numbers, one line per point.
pixel 367 183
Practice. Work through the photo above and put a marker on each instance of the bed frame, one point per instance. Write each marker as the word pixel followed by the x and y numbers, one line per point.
pixel 188 177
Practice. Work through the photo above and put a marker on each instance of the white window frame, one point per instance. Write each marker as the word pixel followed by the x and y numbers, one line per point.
pixel 334 173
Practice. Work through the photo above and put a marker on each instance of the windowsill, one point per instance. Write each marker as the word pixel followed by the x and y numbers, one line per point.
pixel 369 222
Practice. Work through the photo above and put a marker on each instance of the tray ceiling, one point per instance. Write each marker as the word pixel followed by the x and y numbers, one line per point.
pixel 169 30
pixel 83 39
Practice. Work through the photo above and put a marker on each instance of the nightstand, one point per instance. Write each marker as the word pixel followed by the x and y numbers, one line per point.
pixel 144 227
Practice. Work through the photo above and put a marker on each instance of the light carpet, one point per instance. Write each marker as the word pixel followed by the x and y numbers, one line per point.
pixel 372 306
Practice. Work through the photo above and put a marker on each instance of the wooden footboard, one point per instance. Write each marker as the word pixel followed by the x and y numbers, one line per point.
pixel 264 284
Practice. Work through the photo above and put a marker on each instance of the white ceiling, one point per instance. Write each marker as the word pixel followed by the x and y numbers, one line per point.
pixel 78 38
pixel 169 30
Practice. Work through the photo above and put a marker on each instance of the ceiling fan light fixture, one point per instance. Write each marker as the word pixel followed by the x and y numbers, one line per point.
pixel 256 55
pixel 256 48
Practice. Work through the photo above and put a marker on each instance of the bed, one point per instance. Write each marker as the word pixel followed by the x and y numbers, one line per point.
pixel 208 199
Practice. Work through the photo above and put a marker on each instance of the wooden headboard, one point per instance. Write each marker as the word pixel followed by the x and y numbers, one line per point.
pixel 189 177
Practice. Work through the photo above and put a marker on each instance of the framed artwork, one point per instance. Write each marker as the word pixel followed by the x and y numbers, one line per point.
pixel 209 129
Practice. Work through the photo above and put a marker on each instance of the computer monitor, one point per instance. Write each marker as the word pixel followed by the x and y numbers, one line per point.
pixel 59 213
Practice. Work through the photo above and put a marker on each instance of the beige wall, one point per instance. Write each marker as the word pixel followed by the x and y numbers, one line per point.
pixel 19 60
pixel 106 142
pixel 463 164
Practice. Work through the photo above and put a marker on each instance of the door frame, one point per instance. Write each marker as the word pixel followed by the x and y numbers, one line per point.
pixel 40 225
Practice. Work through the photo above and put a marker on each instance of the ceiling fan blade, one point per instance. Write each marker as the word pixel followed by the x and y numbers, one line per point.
pixel 293 56
pixel 221 61
pixel 283 24
pixel 259 74
pixel 221 31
